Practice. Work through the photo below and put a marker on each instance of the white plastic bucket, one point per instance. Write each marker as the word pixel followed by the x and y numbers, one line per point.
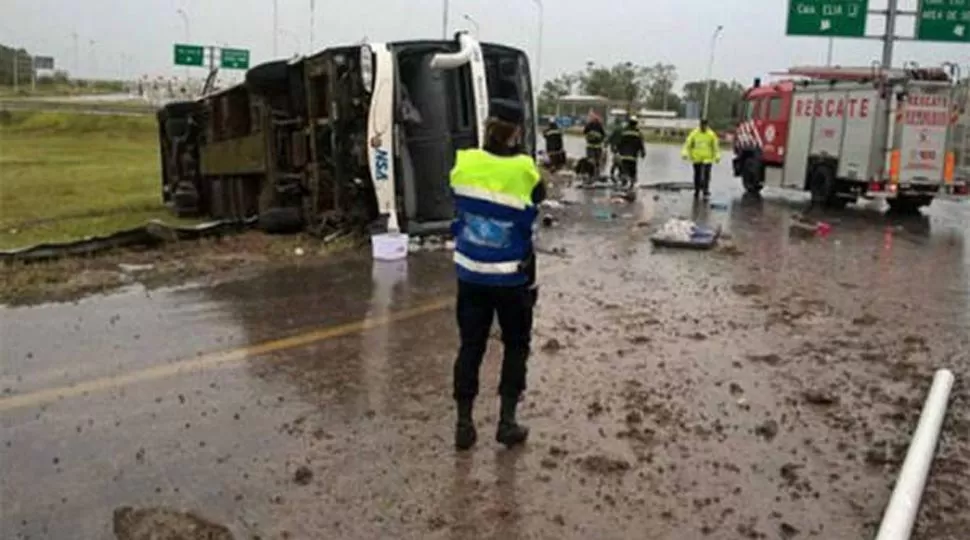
pixel 389 246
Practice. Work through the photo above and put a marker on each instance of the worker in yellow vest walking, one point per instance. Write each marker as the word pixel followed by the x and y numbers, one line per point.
pixel 702 149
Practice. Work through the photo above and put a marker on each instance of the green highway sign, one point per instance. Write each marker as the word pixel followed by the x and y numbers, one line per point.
pixel 189 55
pixel 829 18
pixel 234 59
pixel 943 20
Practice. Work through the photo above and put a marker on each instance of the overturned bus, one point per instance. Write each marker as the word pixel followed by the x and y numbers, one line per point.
pixel 357 135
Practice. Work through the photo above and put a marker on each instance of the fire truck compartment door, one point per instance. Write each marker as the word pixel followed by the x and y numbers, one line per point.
pixel 921 134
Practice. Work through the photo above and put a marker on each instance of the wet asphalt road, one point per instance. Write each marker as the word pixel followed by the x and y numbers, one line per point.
pixel 763 392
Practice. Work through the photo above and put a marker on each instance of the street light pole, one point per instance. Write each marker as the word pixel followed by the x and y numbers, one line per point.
pixel 538 4
pixel 276 28
pixel 478 28
pixel 890 37
pixel 313 5
pixel 444 19
pixel 188 35
pixel 710 70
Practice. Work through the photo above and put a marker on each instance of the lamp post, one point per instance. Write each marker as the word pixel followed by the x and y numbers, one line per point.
pixel 444 18
pixel 313 6
pixel 276 27
pixel 478 28
pixel 188 35
pixel 538 4
pixel 710 70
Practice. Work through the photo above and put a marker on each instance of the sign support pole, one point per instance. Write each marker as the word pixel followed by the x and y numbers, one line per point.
pixel 890 37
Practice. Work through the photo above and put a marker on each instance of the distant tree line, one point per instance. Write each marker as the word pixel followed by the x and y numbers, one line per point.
pixel 11 57
pixel 638 86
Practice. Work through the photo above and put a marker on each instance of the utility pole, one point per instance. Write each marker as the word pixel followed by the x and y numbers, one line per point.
pixel 312 9
pixel 276 27
pixel 539 6
pixel 16 69
pixel 710 71
pixel 887 41
pixel 77 56
pixel 444 19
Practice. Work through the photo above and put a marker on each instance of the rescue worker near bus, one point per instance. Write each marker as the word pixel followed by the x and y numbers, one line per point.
pixel 554 145
pixel 629 148
pixel 595 136
pixel 703 149
pixel 496 192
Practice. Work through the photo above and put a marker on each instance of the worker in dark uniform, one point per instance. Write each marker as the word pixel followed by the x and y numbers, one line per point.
pixel 496 192
pixel 630 149
pixel 595 136
pixel 554 145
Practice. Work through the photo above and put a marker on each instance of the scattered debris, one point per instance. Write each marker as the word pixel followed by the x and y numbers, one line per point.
pixel 768 430
pixel 165 524
pixel 303 476
pixel 820 397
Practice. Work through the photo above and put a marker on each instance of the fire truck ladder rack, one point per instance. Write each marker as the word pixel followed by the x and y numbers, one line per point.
pixel 865 73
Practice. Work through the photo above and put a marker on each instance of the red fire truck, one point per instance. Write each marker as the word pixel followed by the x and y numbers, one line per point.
pixel 849 133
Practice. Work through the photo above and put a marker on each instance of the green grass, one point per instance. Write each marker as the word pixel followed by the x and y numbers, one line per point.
pixel 68 176
pixel 61 89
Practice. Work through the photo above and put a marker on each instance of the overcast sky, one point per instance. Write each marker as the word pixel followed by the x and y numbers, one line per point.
pixel 576 31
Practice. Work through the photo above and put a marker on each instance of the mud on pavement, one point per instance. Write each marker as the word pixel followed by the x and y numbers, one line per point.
pixel 765 392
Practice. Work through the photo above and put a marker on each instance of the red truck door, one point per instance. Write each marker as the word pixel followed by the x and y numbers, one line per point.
pixel 773 126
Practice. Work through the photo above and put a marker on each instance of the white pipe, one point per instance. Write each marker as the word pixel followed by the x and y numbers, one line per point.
pixel 456 59
pixel 897 522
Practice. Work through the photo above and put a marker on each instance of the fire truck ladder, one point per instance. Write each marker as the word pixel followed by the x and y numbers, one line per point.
pixel 864 73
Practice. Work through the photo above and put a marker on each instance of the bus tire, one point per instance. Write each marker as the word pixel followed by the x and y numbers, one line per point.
pixel 752 176
pixel 281 220
pixel 178 109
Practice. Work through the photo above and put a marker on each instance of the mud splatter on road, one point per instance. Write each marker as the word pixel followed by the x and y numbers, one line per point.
pixel 767 393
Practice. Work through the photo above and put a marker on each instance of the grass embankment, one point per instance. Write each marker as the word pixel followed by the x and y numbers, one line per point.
pixel 127 107
pixel 45 89
pixel 68 176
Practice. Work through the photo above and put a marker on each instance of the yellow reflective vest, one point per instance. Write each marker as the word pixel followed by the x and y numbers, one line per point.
pixel 702 146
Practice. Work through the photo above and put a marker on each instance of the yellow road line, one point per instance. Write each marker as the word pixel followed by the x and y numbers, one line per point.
pixel 219 359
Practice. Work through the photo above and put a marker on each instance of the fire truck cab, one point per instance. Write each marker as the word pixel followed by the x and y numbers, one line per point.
pixel 849 133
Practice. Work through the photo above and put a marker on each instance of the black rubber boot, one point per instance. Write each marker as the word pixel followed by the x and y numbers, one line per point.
pixel 510 433
pixel 465 435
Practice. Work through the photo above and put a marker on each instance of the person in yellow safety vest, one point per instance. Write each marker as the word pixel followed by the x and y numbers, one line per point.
pixel 496 190
pixel 703 149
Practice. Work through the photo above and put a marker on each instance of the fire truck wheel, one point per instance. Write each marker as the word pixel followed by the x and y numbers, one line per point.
pixel 822 183
pixel 908 205
pixel 752 176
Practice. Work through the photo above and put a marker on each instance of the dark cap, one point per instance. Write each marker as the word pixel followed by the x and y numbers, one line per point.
pixel 505 110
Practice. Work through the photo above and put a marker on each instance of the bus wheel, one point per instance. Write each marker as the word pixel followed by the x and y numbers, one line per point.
pixel 752 176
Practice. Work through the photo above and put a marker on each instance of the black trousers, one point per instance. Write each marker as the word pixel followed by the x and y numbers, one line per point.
pixel 628 167
pixel 702 178
pixel 477 307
